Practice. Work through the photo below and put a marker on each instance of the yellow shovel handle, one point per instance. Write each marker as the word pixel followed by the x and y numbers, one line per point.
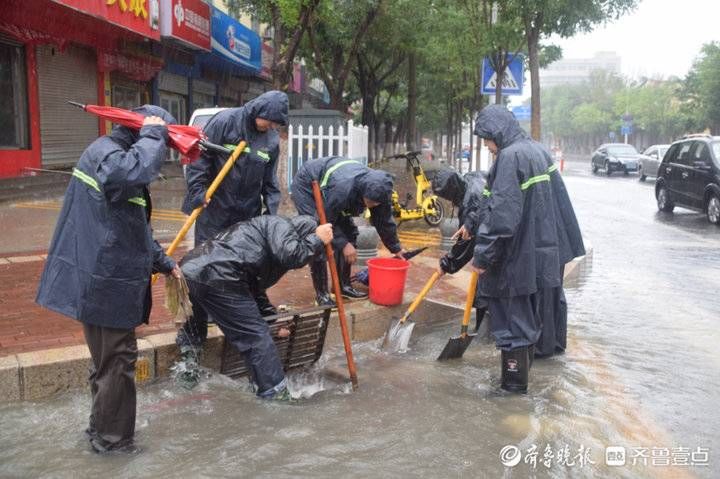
pixel 416 302
pixel 208 194
pixel 472 287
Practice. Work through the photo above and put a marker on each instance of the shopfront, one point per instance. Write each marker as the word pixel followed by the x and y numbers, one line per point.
pixel 235 61
pixel 76 56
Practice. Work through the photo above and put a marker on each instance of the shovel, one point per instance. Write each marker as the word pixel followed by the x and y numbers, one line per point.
pixel 398 334
pixel 456 347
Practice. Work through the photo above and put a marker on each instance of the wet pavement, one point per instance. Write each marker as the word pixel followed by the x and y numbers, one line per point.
pixel 642 372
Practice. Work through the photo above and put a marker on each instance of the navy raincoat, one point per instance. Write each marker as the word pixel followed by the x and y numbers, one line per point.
pixel 258 252
pixel 252 182
pixel 465 193
pixel 102 253
pixel 517 242
pixel 552 303
pixel 344 184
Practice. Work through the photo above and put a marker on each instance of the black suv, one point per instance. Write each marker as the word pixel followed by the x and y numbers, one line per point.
pixel 689 176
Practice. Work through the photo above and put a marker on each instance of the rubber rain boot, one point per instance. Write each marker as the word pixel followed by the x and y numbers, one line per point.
pixel 531 355
pixel 318 272
pixel 344 273
pixel 515 366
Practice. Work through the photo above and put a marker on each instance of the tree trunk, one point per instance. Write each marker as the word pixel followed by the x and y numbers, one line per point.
pixel 470 130
pixel 412 102
pixel 533 38
pixel 449 135
pixel 388 138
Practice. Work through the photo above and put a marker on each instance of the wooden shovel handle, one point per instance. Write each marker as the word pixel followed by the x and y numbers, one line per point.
pixel 472 287
pixel 418 299
pixel 208 194
pixel 336 288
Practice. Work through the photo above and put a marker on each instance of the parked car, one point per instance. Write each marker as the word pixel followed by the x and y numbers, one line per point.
pixel 615 157
pixel 650 161
pixel 689 176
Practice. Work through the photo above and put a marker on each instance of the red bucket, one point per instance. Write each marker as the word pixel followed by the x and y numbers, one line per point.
pixel 387 280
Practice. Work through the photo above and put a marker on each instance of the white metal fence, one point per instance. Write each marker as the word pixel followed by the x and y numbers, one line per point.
pixel 307 143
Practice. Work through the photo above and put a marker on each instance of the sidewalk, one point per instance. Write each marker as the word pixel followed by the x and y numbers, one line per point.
pixel 25 326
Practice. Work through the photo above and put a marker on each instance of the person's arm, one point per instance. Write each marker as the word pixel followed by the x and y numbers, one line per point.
pixel 504 214
pixel 139 166
pixel 291 251
pixel 162 263
pixel 270 191
pixel 198 177
pixel 339 238
pixel 381 218
pixel 459 255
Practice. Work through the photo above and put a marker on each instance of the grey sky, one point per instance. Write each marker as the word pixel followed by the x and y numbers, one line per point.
pixel 660 38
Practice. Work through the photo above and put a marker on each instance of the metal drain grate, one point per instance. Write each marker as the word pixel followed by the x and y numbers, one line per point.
pixel 303 347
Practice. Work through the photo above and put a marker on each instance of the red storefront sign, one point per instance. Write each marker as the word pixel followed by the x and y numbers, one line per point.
pixel 139 16
pixel 187 21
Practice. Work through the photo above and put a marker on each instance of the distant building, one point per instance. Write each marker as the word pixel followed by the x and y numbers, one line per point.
pixel 571 71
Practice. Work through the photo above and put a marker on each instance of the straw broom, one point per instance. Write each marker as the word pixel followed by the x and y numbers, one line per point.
pixel 177 298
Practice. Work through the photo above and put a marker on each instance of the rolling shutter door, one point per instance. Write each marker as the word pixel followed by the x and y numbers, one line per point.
pixel 65 131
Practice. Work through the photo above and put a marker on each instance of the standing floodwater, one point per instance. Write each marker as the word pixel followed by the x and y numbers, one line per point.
pixel 642 373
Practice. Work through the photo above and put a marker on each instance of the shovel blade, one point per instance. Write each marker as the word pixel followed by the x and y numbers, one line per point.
pixel 455 348
pixel 398 335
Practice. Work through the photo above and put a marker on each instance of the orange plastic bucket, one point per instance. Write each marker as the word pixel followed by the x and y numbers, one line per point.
pixel 387 280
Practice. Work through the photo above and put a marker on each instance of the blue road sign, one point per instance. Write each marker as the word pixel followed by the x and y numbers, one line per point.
pixel 521 112
pixel 626 130
pixel 513 81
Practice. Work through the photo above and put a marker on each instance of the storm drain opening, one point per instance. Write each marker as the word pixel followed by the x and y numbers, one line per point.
pixel 303 347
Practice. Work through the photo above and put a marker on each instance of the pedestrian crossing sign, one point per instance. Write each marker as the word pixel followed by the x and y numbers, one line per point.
pixel 512 81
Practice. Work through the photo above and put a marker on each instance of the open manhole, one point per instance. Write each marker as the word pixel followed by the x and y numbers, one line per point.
pixel 302 347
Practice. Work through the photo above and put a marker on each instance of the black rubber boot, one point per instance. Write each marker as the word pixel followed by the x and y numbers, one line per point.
pixel 515 365
pixel 264 305
pixel 344 273
pixel 318 272
pixel 531 355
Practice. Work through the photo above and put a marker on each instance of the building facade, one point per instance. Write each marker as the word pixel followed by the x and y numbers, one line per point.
pixel 572 71
pixel 179 54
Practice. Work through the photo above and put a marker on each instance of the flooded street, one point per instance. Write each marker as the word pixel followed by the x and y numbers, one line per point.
pixel 642 372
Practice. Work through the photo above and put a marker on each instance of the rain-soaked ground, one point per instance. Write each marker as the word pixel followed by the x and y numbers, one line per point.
pixel 642 373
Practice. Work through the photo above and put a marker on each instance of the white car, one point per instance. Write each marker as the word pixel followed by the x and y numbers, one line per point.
pixel 650 161
pixel 200 117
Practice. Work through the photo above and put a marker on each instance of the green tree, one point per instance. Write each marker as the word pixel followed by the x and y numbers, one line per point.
pixel 289 20
pixel 542 18
pixel 335 36
pixel 702 88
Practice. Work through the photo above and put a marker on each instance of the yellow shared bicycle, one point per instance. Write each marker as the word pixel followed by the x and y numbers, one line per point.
pixel 427 205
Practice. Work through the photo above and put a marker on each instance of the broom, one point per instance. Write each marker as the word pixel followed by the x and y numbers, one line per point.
pixel 177 298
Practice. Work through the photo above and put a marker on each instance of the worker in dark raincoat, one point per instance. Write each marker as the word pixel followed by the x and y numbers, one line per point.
pixel 348 187
pixel 249 186
pixel 100 262
pixel 223 272
pixel 516 251
pixel 466 194
pixel 553 306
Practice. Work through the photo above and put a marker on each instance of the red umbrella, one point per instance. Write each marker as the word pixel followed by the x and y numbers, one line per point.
pixel 188 140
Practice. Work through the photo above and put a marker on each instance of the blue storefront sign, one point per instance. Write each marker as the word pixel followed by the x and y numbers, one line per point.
pixel 235 42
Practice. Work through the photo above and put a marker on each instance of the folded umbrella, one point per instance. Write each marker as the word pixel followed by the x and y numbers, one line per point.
pixel 188 140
